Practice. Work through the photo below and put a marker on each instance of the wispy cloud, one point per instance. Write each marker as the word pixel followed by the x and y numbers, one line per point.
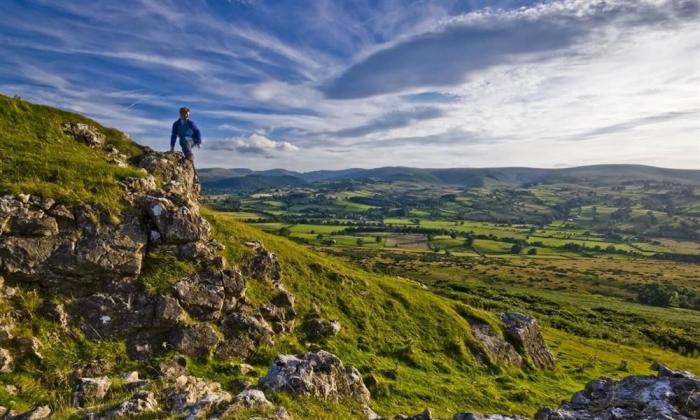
pixel 357 84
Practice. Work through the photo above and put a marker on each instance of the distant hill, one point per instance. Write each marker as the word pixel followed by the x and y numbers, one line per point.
pixel 249 183
pixel 215 179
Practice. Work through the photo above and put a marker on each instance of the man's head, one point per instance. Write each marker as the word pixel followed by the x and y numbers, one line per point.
pixel 184 113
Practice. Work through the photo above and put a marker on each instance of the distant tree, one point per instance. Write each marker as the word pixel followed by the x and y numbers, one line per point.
pixel 378 239
pixel 453 235
pixel 285 231
pixel 469 241
pixel 360 241
pixel 532 251
pixel 516 248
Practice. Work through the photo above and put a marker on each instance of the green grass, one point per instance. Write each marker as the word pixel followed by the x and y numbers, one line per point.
pixel 37 158
pixel 418 344
pixel 162 270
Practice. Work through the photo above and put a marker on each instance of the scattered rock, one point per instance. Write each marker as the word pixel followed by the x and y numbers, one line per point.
pixel 133 382
pixel 476 416
pixel 29 346
pixel 425 415
pixel 6 361
pixel 251 398
pixel 38 413
pixel 246 369
pixel 193 397
pixel 524 333
pixel 669 395
pixel 54 312
pixel 320 374
pixel 88 389
pixel 85 134
pixel 173 367
pixel 139 403
pixel 320 328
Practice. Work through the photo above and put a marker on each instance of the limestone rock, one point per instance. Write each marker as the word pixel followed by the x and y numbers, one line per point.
pixel 425 415
pixel 113 315
pixel 60 247
pixel 6 361
pixel 251 398
pixel 39 413
pixel 476 416
pixel 174 170
pixel 196 340
pixel 85 134
pixel 669 395
pixel 177 223
pixel 203 300
pixel 168 312
pixel 54 312
pixel 243 333
pixel 497 349
pixel 524 333
pixel 193 397
pixel 320 374
pixel 140 403
pixel 321 328
pixel 29 346
pixel 263 265
pixel 90 389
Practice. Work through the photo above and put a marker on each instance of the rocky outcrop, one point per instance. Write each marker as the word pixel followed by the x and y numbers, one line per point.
pixel 669 395
pixel 496 350
pixel 84 133
pixel 319 374
pixel 59 247
pixel 524 333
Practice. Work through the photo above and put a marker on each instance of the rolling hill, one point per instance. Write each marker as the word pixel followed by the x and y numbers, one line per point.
pixel 216 179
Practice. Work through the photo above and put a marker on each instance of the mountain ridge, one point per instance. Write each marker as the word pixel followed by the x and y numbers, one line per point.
pixel 223 179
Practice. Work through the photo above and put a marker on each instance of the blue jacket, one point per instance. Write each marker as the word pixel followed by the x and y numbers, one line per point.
pixel 188 129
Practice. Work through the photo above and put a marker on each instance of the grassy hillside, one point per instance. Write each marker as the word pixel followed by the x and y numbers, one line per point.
pixel 38 158
pixel 413 339
pixel 416 343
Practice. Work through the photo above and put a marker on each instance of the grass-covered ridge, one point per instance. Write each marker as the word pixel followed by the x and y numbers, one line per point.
pixel 417 343
pixel 36 157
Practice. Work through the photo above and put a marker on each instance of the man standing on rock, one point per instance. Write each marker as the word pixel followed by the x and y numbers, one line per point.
pixel 187 131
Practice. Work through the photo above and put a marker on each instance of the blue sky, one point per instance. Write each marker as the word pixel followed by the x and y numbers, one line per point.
pixel 326 84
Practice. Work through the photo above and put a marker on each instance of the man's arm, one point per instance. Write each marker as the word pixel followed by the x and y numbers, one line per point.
pixel 173 136
pixel 196 135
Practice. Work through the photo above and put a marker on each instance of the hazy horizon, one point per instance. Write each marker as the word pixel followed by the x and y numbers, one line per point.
pixel 324 85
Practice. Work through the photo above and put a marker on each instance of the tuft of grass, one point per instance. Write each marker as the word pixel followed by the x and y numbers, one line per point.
pixel 162 270
pixel 38 158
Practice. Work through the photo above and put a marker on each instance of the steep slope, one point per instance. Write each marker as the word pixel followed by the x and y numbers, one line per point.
pixel 98 287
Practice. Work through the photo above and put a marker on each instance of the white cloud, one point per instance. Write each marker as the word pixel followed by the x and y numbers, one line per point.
pixel 254 144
